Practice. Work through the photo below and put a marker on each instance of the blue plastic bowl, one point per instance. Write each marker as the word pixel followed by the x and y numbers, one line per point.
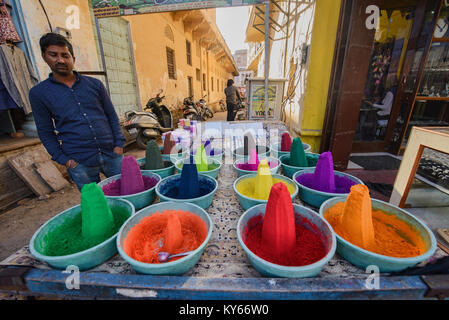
pixel 84 259
pixel 316 198
pixel 262 152
pixel 289 170
pixel 274 270
pixel 173 157
pixel 139 200
pixel 163 173
pixel 243 172
pixel 210 173
pixel 247 202
pixel 203 202
pixel 363 258
pixel 176 267
pixel 277 153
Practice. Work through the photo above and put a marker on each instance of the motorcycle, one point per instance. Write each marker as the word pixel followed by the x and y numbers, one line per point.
pixel 151 123
pixel 203 109
pixel 190 109
pixel 222 105
pixel 241 111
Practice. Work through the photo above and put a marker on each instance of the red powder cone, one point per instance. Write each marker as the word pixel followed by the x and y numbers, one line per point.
pixel 173 238
pixel 286 142
pixel 131 180
pixel 169 144
pixel 278 230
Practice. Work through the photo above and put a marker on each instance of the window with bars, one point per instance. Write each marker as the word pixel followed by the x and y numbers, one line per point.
pixel 190 85
pixel 189 52
pixel 198 74
pixel 212 83
pixel 204 82
pixel 171 63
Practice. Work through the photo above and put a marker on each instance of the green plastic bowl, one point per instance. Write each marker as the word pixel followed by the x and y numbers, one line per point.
pixel 314 197
pixel 211 173
pixel 203 202
pixel 241 172
pixel 262 152
pixel 274 270
pixel 176 267
pixel 289 170
pixel 139 200
pixel 173 157
pixel 247 202
pixel 163 173
pixel 277 153
pixel 85 259
pixel 363 258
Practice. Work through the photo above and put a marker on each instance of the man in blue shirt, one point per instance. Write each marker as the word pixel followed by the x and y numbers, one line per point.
pixel 75 118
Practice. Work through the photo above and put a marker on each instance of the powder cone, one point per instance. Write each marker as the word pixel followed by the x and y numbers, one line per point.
pixel 153 157
pixel 253 163
pixel 131 180
pixel 286 142
pixel 278 230
pixel 201 159
pixel 208 148
pixel 297 155
pixel 97 221
pixel 189 187
pixel 169 144
pixel 173 238
pixel 357 218
pixel 248 143
pixel 264 181
pixel 323 176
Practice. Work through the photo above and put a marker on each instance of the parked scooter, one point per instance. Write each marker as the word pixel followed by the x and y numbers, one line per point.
pixel 149 124
pixel 241 111
pixel 203 109
pixel 190 109
pixel 223 107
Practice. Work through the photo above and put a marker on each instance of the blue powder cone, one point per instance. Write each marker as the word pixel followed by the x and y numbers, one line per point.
pixel 189 186
pixel 323 176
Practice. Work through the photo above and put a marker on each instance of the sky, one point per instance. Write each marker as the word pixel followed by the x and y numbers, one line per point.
pixel 232 23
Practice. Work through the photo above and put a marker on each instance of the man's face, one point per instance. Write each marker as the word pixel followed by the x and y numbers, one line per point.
pixel 59 60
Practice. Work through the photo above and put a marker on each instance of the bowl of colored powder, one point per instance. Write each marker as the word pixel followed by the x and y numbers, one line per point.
pixel 144 195
pixel 253 189
pixel 61 241
pixel 213 153
pixel 167 170
pixel 262 152
pixel 374 232
pixel 312 243
pixel 211 168
pixel 243 166
pixel 289 170
pixel 169 190
pixel 277 152
pixel 180 153
pixel 171 227
pixel 311 185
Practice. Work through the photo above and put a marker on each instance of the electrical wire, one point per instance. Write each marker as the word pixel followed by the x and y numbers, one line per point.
pixel 46 15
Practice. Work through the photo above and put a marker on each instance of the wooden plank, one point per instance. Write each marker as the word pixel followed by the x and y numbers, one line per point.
pixel 22 164
pixel 51 175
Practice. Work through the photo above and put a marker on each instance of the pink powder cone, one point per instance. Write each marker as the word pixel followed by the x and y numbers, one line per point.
pixel 286 142
pixel 131 180
pixel 253 163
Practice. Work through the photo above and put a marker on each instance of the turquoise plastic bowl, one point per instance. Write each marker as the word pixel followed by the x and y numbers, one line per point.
pixel 274 270
pixel 86 259
pixel 262 152
pixel 210 173
pixel 163 173
pixel 243 172
pixel 316 198
pixel 247 202
pixel 203 202
pixel 173 157
pixel 139 200
pixel 289 170
pixel 176 267
pixel 277 153
pixel 363 258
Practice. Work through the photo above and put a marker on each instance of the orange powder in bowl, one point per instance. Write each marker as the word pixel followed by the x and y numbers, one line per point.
pixel 172 231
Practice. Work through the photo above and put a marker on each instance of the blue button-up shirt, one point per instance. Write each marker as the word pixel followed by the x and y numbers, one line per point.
pixel 83 116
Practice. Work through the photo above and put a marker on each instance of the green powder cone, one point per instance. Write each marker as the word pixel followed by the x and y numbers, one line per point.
pixel 97 219
pixel 201 159
pixel 153 157
pixel 297 154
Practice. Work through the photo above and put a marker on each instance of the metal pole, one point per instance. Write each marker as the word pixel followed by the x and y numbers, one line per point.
pixel 267 55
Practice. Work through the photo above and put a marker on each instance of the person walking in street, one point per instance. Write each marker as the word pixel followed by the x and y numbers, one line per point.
pixel 232 99
pixel 75 118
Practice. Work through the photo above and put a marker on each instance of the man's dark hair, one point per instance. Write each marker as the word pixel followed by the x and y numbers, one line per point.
pixel 230 82
pixel 54 39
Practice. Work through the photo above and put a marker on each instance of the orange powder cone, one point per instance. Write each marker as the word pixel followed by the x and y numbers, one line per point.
pixel 278 230
pixel 357 218
pixel 173 238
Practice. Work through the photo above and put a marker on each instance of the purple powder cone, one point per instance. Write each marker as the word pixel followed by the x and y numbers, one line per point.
pixel 323 176
pixel 131 178
pixel 208 148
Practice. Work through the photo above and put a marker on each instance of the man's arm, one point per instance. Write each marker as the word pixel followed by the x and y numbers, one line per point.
pixel 119 139
pixel 46 130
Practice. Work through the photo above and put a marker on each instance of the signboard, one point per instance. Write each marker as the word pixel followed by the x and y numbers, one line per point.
pixel 110 8
pixel 257 105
